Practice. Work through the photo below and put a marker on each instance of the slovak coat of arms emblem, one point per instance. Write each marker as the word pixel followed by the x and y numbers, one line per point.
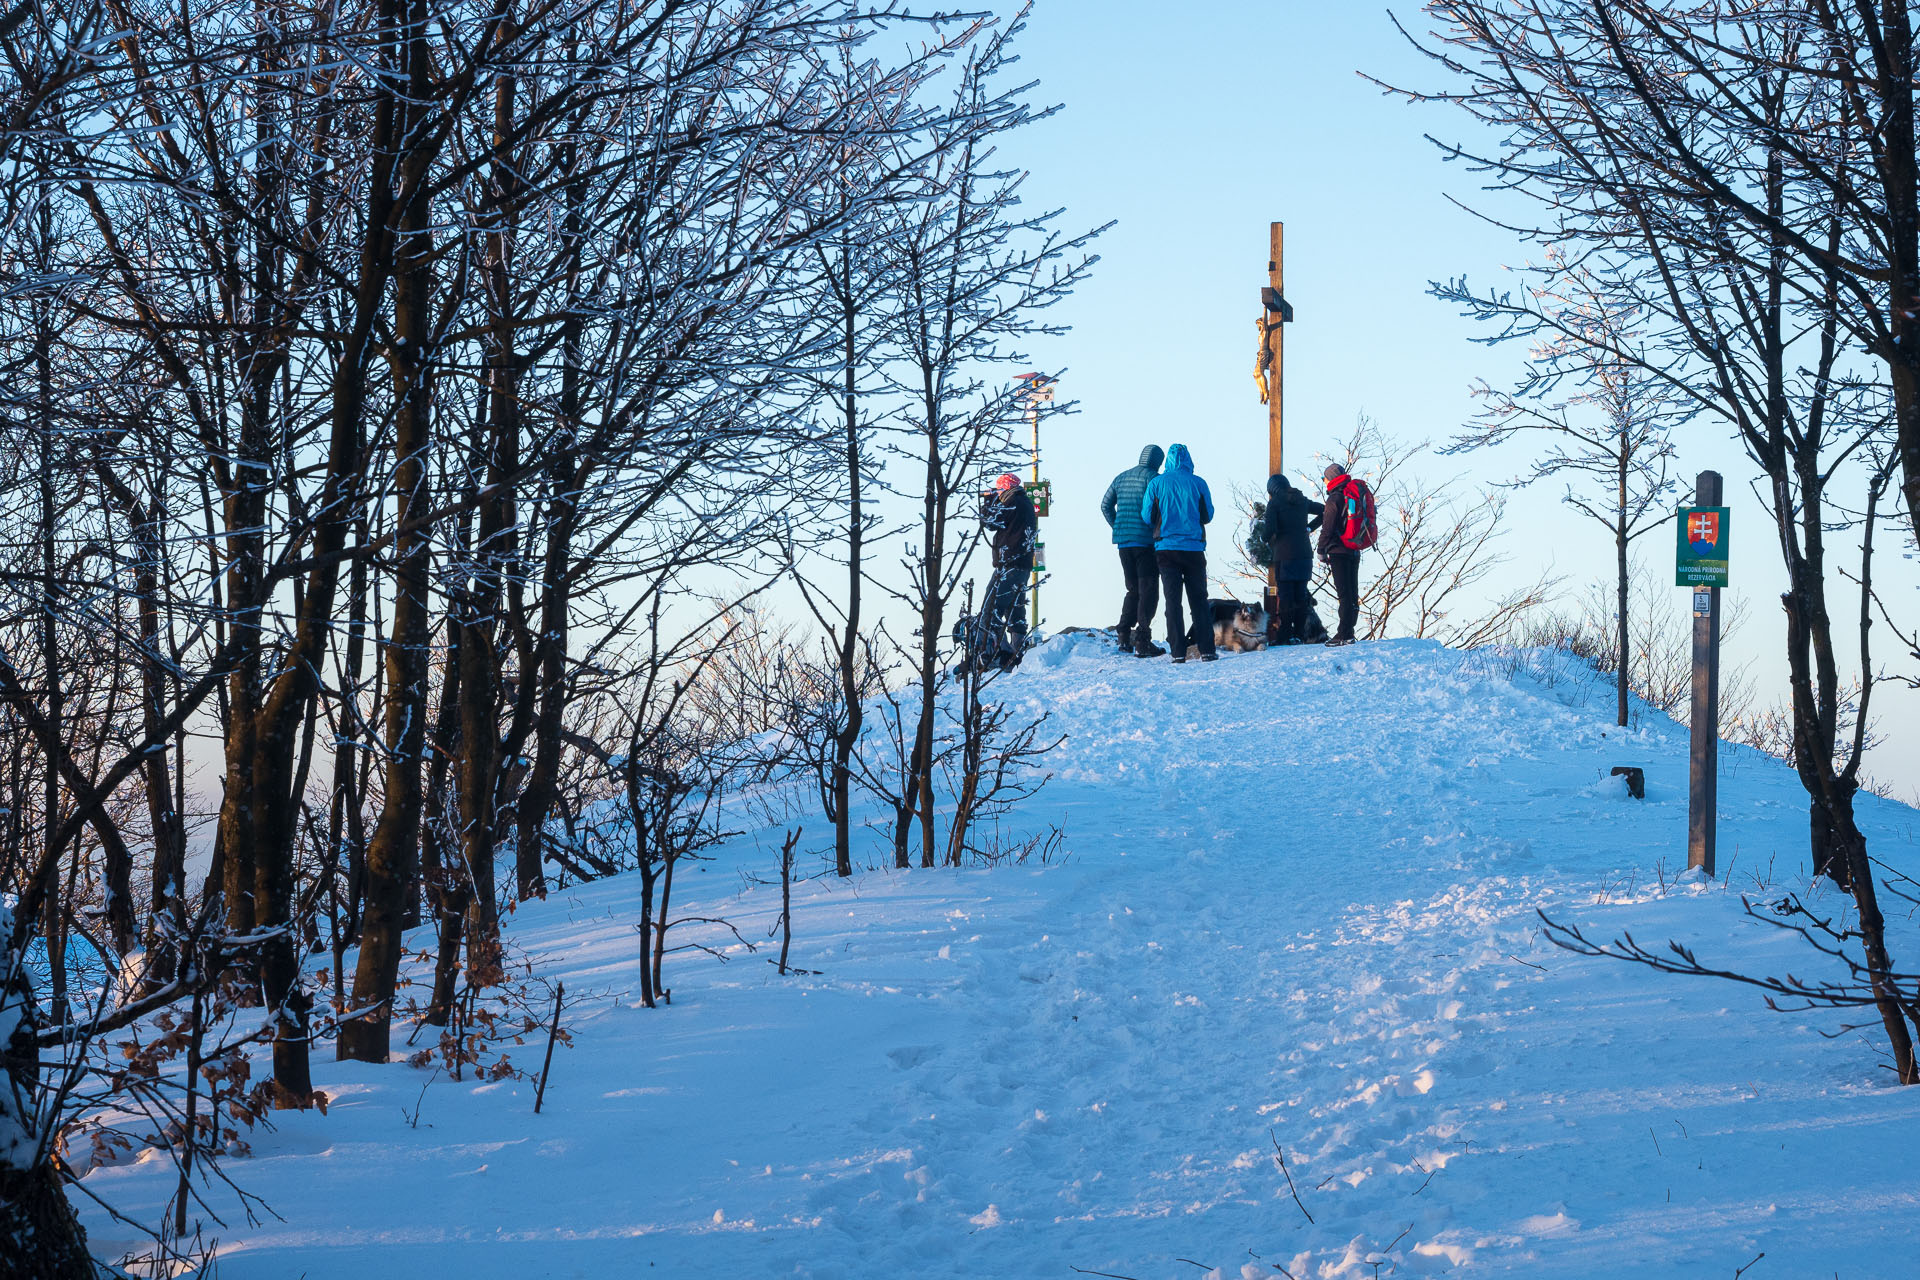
pixel 1703 531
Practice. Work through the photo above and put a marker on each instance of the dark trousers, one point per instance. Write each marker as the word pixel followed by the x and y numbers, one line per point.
pixel 1346 583
pixel 1006 617
pixel 1185 571
pixel 1143 588
pixel 1290 609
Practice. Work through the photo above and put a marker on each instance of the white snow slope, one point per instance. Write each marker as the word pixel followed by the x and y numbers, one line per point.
pixel 1299 908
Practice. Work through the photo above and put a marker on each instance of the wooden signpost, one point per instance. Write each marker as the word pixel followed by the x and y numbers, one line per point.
pixel 1036 391
pixel 1700 562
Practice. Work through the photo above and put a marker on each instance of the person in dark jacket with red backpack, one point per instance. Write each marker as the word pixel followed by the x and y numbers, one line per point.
pixel 1347 528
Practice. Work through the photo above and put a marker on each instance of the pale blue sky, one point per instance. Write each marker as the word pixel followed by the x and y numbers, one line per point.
pixel 1195 129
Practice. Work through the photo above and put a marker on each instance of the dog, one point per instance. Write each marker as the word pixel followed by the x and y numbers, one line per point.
pixel 1237 627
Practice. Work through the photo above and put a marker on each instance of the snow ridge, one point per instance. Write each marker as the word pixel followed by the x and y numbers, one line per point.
pixel 1298 916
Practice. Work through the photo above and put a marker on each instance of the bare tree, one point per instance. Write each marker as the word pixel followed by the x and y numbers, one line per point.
pixel 995 762
pixel 396 395
pixel 1611 430
pixel 1735 176
pixel 1437 544
pixel 976 273
pixel 859 293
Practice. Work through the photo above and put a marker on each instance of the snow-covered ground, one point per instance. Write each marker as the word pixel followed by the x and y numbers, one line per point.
pixel 1298 911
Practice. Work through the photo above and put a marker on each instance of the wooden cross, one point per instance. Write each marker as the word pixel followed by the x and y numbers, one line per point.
pixel 1275 312
pixel 1269 370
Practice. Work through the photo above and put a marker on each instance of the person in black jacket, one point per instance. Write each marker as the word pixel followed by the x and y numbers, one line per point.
pixel 1291 517
pixel 1007 513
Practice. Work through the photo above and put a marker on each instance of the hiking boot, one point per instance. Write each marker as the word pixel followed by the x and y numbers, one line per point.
pixel 1181 656
pixel 1339 641
pixel 1209 657
pixel 1125 636
pixel 1144 647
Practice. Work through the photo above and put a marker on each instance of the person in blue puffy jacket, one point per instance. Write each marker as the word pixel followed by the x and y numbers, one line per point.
pixel 1177 507
pixel 1121 507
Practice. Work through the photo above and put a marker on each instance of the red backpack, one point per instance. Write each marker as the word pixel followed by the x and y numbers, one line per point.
pixel 1361 529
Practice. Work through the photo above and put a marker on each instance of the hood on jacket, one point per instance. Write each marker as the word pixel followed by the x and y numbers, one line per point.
pixel 1279 487
pixel 1178 459
pixel 1151 457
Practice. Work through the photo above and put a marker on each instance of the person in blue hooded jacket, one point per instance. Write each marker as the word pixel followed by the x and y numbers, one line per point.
pixel 1177 507
pixel 1121 507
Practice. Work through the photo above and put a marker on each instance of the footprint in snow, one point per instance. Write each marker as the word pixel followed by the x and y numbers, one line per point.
pixel 907 1057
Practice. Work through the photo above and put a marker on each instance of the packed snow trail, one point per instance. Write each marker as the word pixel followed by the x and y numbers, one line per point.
pixel 1298 912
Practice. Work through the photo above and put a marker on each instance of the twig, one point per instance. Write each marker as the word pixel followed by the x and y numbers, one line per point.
pixel 1431 1175
pixel 1190 1262
pixel 413 1118
pixel 786 897
pixel 1108 1274
pixel 1656 1141
pixel 1742 1271
pixel 1282 1157
pixel 1530 964
pixel 553 1032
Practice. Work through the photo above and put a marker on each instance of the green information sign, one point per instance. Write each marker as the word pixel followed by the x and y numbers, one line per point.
pixel 1701 558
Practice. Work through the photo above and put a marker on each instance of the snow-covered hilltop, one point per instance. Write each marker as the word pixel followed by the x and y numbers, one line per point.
pixel 1296 913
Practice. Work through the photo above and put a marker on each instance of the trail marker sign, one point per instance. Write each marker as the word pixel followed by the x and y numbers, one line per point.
pixel 1701 564
pixel 1700 560
pixel 1041 491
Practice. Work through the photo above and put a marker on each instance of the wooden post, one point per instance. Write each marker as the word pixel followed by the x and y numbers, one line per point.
pixel 1276 277
pixel 1036 390
pixel 1033 416
pixel 1273 360
pixel 1703 758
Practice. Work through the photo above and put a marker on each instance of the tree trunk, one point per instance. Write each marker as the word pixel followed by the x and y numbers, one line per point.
pixel 40 1237
pixel 1873 936
pixel 478 775
pixel 53 914
pixel 1900 178
pixel 660 923
pixel 563 508
pixel 443 875
pixel 169 880
pixel 542 788
pixel 392 854
pixel 648 874
pixel 972 749
pixel 848 739
pixel 931 620
pixel 345 846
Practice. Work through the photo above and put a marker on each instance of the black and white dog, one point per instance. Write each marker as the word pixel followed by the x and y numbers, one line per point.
pixel 1237 627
